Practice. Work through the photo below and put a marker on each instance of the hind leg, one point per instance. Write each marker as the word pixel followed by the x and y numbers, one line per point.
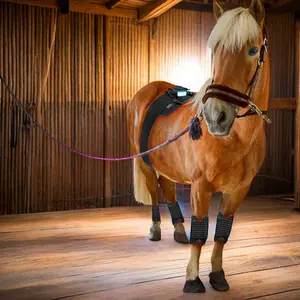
pixel 168 188
pixel 152 186
pixel 155 231
pixel 146 192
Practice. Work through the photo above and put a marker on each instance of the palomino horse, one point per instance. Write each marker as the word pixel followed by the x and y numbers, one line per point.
pixel 230 151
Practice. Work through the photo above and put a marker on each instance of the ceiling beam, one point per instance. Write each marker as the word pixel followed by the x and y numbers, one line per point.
pixel 203 7
pixel 64 6
pixel 113 3
pixel 86 6
pixel 155 9
pixel 285 6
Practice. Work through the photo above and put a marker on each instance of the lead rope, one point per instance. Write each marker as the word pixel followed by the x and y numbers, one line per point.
pixel 166 143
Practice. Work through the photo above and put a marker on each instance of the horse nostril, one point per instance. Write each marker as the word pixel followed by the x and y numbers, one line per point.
pixel 221 118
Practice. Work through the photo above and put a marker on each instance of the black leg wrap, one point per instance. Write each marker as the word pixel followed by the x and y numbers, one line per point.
pixel 155 213
pixel 223 228
pixel 175 212
pixel 199 230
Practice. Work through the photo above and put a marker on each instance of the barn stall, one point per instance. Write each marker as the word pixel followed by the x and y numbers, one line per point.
pixel 70 226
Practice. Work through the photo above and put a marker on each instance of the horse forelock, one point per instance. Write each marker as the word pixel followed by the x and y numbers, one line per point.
pixel 233 30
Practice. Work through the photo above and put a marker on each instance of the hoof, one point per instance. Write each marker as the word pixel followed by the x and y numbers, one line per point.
pixel 194 286
pixel 181 237
pixel 218 281
pixel 155 234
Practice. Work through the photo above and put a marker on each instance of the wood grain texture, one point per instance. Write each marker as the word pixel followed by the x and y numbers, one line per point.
pixel 113 3
pixel 282 103
pixel 278 165
pixel 297 120
pixel 54 75
pixel 86 6
pixel 155 9
pixel 105 254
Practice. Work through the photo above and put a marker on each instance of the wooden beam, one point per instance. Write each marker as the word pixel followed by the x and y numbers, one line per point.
pixel 113 3
pixel 155 9
pixel 285 6
pixel 203 7
pixel 107 111
pixel 82 6
pixel 282 103
pixel 297 121
pixel 64 6
pixel 208 7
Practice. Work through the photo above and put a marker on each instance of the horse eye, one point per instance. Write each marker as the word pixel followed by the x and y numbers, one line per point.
pixel 252 51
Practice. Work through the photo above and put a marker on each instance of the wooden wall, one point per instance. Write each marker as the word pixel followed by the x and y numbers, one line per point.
pixel 126 72
pixel 297 118
pixel 77 73
pixel 276 175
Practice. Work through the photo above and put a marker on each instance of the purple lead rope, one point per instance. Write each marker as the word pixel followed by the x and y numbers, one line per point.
pixel 168 142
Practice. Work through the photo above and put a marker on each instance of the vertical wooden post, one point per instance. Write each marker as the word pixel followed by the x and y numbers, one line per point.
pixel 151 49
pixel 107 110
pixel 297 120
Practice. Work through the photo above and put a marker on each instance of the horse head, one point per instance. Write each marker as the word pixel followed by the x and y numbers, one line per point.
pixel 239 45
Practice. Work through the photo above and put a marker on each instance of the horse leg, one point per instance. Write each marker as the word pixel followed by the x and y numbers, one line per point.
pixel 146 191
pixel 168 188
pixel 229 204
pixel 155 231
pixel 200 196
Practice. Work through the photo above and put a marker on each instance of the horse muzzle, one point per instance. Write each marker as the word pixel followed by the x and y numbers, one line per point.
pixel 219 116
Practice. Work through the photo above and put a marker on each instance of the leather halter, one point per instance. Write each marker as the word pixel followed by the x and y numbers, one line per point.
pixel 237 98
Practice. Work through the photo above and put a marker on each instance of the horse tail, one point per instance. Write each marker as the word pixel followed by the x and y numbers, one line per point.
pixel 145 182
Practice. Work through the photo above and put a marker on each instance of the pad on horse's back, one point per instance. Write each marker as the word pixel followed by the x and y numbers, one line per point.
pixel 163 105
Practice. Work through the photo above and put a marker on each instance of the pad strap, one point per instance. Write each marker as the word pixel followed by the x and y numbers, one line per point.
pixel 175 212
pixel 223 228
pixel 199 230
pixel 155 213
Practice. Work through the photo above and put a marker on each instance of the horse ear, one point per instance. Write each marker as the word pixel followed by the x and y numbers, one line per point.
pixel 218 9
pixel 257 10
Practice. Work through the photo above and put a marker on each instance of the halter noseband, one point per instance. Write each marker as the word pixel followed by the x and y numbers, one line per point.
pixel 237 98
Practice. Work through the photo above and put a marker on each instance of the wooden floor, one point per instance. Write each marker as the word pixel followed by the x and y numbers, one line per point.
pixel 105 254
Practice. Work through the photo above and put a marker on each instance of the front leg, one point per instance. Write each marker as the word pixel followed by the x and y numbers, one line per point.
pixel 229 204
pixel 200 195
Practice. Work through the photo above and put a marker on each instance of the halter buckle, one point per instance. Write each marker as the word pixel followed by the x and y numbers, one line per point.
pixel 254 108
pixel 265 44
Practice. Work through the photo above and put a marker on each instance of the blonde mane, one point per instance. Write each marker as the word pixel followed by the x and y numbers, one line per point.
pixel 233 30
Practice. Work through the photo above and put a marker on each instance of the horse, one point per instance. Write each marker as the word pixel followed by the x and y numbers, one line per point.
pixel 231 149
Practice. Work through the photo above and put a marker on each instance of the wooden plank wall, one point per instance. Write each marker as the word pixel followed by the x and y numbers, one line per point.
pixel 277 170
pixel 37 174
pixel 178 48
pixel 96 65
pixel 297 120
pixel 126 72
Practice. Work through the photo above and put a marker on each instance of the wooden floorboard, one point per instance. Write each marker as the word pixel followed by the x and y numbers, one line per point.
pixel 105 254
